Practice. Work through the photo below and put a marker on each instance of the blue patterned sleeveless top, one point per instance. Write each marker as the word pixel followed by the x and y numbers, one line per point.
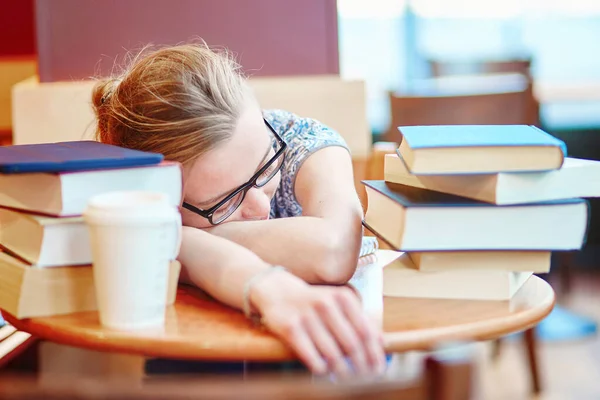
pixel 303 136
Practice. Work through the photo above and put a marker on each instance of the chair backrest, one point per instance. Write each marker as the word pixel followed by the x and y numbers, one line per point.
pixel 336 102
pixel 444 68
pixel 60 111
pixel 500 108
pixel 12 70
pixel 442 379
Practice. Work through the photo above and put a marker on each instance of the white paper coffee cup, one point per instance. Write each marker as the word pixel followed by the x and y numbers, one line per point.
pixel 133 237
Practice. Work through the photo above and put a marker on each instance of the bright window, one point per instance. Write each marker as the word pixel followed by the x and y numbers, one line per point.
pixel 387 44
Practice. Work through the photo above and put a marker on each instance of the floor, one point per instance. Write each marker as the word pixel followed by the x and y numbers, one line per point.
pixel 569 369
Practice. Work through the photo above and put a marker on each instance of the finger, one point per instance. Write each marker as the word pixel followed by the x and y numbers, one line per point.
pixel 344 333
pixel 355 292
pixel 298 338
pixel 327 345
pixel 371 336
pixel 352 309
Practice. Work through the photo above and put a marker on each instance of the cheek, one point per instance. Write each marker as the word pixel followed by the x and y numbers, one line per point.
pixel 196 221
pixel 188 218
pixel 271 187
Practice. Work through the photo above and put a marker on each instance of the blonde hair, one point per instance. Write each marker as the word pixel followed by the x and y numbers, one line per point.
pixel 179 101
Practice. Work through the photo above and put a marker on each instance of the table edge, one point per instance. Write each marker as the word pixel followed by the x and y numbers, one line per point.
pixel 426 339
pixel 276 350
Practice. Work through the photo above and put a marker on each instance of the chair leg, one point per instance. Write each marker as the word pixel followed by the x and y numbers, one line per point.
pixel 565 263
pixel 450 378
pixel 532 357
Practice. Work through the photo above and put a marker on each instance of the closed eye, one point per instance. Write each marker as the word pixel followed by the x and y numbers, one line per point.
pixel 270 170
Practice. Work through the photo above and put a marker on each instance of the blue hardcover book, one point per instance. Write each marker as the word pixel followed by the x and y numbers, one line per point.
pixel 71 156
pixel 479 149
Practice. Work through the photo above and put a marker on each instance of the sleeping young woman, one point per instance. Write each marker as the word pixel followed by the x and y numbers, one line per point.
pixel 272 221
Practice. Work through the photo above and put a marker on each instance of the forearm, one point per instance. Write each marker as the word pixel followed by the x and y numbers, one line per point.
pixel 325 326
pixel 315 249
pixel 219 266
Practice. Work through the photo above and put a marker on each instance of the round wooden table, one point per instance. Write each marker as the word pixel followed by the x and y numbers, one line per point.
pixel 200 328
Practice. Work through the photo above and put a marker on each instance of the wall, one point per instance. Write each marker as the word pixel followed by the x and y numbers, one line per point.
pixel 79 39
pixel 17 55
pixel 17 28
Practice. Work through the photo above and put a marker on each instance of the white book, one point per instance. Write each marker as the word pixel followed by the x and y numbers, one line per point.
pixel 67 194
pixel 27 292
pixel 402 279
pixel 576 178
pixel 534 261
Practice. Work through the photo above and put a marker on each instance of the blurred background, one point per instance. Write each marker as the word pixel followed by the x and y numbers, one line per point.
pixel 418 62
pixel 392 43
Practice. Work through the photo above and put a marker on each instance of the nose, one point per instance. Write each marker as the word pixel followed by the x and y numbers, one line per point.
pixel 256 205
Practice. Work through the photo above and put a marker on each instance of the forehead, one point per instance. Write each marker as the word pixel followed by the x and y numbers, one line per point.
pixel 232 163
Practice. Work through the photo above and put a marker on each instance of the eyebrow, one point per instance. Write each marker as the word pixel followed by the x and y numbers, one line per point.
pixel 215 199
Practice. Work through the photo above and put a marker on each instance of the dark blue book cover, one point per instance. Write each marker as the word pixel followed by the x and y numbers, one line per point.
pixel 409 196
pixel 71 156
pixel 437 136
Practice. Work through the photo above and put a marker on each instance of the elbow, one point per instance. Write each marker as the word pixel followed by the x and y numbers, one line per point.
pixel 337 262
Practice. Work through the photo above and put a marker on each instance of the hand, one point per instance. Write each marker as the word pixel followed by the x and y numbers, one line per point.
pixel 324 325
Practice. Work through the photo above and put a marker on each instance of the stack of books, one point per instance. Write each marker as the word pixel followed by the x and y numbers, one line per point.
pixel 478 209
pixel 45 257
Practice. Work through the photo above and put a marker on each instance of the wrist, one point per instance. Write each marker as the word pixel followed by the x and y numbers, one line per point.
pixel 271 287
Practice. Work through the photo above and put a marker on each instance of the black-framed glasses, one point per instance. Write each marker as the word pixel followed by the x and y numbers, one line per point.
pixel 223 209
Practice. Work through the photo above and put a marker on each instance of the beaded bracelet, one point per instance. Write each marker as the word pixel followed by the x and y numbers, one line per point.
pixel 248 287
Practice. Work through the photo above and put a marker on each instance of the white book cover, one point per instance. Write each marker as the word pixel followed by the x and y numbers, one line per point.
pixel 413 219
pixel 576 178
pixel 67 194
pixel 45 241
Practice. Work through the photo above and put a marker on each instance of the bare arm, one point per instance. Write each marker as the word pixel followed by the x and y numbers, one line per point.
pixel 321 324
pixel 218 266
pixel 321 246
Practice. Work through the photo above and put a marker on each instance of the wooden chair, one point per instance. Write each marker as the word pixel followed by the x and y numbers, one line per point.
pixel 5 138
pixel 441 378
pixel 501 107
pixel 13 69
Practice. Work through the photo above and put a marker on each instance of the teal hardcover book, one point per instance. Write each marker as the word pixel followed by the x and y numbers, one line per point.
pixel 473 149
